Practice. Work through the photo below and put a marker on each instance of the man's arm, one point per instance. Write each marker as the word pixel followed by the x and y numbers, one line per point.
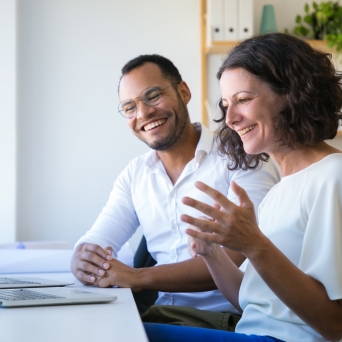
pixel 187 276
pixel 115 224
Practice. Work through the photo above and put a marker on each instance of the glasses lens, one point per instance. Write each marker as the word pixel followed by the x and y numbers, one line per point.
pixel 127 108
pixel 151 96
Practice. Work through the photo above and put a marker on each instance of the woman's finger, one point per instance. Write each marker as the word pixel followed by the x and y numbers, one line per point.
pixel 219 198
pixel 206 209
pixel 207 237
pixel 204 225
pixel 242 195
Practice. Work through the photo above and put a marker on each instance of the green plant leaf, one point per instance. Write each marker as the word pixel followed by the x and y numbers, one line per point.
pixel 306 8
pixel 308 19
pixel 303 31
pixel 298 19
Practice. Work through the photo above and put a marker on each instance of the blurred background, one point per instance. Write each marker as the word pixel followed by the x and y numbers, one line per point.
pixel 62 142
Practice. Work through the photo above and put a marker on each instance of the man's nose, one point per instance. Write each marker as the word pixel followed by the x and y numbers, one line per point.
pixel 143 109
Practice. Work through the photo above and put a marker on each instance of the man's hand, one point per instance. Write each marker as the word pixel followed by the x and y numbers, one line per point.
pixel 121 275
pixel 90 262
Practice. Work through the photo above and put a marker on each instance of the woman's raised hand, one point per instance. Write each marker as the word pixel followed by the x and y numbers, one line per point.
pixel 230 225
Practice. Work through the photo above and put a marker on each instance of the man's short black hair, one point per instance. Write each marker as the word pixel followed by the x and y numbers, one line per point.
pixel 167 68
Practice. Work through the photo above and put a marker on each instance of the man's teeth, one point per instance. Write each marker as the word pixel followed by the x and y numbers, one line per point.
pixel 154 124
pixel 246 130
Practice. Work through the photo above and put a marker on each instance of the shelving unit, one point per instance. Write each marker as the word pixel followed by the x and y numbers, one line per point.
pixel 223 48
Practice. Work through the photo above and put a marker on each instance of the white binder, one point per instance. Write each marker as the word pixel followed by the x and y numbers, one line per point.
pixel 245 15
pixel 215 20
pixel 230 19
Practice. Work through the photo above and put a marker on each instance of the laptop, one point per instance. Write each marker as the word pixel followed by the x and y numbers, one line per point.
pixel 25 282
pixel 11 298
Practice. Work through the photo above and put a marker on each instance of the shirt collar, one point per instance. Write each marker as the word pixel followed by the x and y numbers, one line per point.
pixel 205 142
pixel 203 148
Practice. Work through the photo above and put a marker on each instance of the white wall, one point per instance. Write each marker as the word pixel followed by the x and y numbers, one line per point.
pixel 72 143
pixel 7 120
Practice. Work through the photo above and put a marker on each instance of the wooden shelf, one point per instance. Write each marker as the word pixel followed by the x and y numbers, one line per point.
pixel 220 47
pixel 224 46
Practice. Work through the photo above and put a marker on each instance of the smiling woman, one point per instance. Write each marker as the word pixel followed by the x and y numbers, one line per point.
pixel 250 108
pixel 280 98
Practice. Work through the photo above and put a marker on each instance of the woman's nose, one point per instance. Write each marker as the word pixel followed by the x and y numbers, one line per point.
pixel 232 116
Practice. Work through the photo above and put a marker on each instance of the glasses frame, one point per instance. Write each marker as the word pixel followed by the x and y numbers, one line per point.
pixel 139 97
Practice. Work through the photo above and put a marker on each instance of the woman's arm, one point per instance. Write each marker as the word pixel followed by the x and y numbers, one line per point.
pixel 235 227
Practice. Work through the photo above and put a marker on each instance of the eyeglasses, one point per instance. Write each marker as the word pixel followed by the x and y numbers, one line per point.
pixel 150 96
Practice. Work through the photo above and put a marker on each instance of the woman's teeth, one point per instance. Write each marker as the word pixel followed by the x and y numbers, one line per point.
pixel 246 130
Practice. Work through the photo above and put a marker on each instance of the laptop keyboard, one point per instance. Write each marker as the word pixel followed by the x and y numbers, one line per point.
pixel 22 294
pixel 15 281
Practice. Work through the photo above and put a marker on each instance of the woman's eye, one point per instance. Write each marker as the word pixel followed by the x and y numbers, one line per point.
pixel 243 100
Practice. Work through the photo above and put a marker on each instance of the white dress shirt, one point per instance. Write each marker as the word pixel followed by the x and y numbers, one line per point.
pixel 143 195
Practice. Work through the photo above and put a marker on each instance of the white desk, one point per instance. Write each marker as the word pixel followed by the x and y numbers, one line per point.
pixel 118 321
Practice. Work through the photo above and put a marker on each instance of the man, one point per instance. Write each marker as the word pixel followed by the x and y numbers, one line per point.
pixel 149 191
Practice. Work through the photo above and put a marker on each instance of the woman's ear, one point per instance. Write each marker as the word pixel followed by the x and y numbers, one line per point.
pixel 184 92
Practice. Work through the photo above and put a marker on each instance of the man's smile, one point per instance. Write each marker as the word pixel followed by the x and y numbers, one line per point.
pixel 154 124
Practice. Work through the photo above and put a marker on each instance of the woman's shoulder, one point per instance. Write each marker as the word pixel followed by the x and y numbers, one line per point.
pixel 326 173
pixel 329 165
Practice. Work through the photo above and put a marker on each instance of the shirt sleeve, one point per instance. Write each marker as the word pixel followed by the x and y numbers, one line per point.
pixel 118 220
pixel 256 183
pixel 322 253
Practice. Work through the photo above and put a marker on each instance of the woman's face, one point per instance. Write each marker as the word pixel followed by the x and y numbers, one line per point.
pixel 251 108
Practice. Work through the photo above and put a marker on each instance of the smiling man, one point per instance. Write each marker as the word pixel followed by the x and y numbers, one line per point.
pixel 148 193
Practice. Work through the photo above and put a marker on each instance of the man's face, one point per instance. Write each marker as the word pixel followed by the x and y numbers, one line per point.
pixel 161 126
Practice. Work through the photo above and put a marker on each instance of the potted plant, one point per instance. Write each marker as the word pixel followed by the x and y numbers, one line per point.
pixel 322 21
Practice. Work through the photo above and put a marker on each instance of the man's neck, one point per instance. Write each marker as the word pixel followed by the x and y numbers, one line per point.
pixel 176 158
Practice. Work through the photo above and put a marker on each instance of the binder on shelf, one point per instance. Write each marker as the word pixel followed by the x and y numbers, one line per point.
pixel 245 12
pixel 230 20
pixel 215 20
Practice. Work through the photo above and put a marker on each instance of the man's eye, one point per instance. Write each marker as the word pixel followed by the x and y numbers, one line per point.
pixel 129 108
pixel 152 96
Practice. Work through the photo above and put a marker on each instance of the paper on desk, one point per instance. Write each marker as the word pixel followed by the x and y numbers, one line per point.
pixel 46 260
pixel 35 260
pixel 36 245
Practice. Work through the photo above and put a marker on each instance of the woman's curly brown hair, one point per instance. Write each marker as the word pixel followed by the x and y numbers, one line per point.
pixel 306 76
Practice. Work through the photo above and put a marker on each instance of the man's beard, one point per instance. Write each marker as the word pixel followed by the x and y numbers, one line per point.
pixel 176 131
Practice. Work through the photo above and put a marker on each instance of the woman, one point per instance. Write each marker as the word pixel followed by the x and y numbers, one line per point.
pixel 282 98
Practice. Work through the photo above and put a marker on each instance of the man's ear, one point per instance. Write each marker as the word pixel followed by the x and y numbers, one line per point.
pixel 184 92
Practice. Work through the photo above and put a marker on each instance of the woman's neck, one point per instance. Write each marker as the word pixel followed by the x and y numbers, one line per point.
pixel 292 161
